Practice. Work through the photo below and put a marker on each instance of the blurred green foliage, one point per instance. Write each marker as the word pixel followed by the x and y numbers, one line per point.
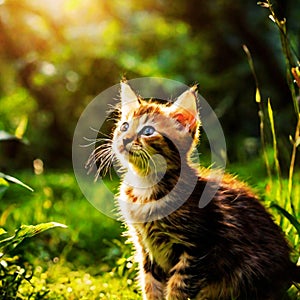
pixel 88 260
pixel 56 56
pixel 58 198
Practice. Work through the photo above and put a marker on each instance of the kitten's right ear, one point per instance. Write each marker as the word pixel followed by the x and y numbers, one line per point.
pixel 129 100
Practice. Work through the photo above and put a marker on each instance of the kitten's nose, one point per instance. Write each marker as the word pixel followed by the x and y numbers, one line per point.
pixel 127 141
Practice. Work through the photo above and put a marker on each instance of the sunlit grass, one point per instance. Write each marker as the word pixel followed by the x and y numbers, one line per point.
pixel 56 197
pixel 90 259
pixel 62 282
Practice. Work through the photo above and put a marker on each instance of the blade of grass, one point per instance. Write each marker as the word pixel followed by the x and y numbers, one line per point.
pixel 260 112
pixel 292 70
pixel 27 231
pixel 16 181
pixel 2 231
pixel 287 215
pixel 20 130
pixel 275 149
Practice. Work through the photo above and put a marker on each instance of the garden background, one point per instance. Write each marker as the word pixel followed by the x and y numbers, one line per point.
pixel 57 55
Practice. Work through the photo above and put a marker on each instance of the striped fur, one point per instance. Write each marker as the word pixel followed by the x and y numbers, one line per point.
pixel 230 249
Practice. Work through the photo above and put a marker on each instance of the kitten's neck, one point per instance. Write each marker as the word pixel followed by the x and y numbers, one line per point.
pixel 156 186
pixel 142 200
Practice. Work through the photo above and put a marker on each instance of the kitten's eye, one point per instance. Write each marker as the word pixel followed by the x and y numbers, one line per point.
pixel 148 130
pixel 124 126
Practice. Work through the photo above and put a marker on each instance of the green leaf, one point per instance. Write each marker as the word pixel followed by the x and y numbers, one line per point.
pixel 3 186
pixel 16 181
pixel 287 215
pixel 20 130
pixel 27 231
pixel 2 231
pixel 5 136
pixel 252 68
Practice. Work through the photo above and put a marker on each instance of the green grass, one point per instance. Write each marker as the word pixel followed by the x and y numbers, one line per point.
pixel 56 197
pixel 90 259
pixel 63 282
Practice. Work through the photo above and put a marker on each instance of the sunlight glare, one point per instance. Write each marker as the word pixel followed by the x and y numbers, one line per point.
pixel 55 8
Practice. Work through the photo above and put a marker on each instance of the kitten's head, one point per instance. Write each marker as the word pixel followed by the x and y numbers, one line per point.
pixel 152 136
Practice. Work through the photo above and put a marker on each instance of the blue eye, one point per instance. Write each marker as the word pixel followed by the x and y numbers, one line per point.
pixel 147 130
pixel 124 126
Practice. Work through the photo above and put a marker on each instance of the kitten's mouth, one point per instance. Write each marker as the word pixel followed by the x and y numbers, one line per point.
pixel 139 160
pixel 134 154
pixel 134 150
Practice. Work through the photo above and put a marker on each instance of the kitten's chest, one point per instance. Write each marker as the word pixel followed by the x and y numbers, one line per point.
pixel 158 242
pixel 140 192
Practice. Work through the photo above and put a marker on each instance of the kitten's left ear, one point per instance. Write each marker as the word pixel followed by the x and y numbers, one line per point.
pixel 129 99
pixel 184 109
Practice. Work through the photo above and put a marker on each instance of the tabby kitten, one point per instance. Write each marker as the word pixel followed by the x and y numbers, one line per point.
pixel 230 249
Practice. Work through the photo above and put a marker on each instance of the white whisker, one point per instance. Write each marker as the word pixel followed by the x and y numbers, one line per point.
pixel 95 141
pixel 103 155
pixel 154 164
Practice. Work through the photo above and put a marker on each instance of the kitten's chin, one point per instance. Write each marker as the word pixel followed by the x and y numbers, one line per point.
pixel 150 176
pixel 143 173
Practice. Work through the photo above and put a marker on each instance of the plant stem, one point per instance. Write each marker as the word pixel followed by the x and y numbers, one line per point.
pixel 260 112
pixel 290 63
pixel 275 148
pixel 292 164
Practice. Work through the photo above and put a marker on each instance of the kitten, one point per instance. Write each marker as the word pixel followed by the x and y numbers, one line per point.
pixel 230 249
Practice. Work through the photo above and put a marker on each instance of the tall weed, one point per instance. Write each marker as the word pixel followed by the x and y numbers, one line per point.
pixel 282 194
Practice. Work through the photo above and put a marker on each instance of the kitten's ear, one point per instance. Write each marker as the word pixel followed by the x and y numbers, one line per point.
pixel 129 99
pixel 184 109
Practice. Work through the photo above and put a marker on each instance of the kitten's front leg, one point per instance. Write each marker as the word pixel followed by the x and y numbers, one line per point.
pixel 151 279
pixel 184 283
pixel 152 289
